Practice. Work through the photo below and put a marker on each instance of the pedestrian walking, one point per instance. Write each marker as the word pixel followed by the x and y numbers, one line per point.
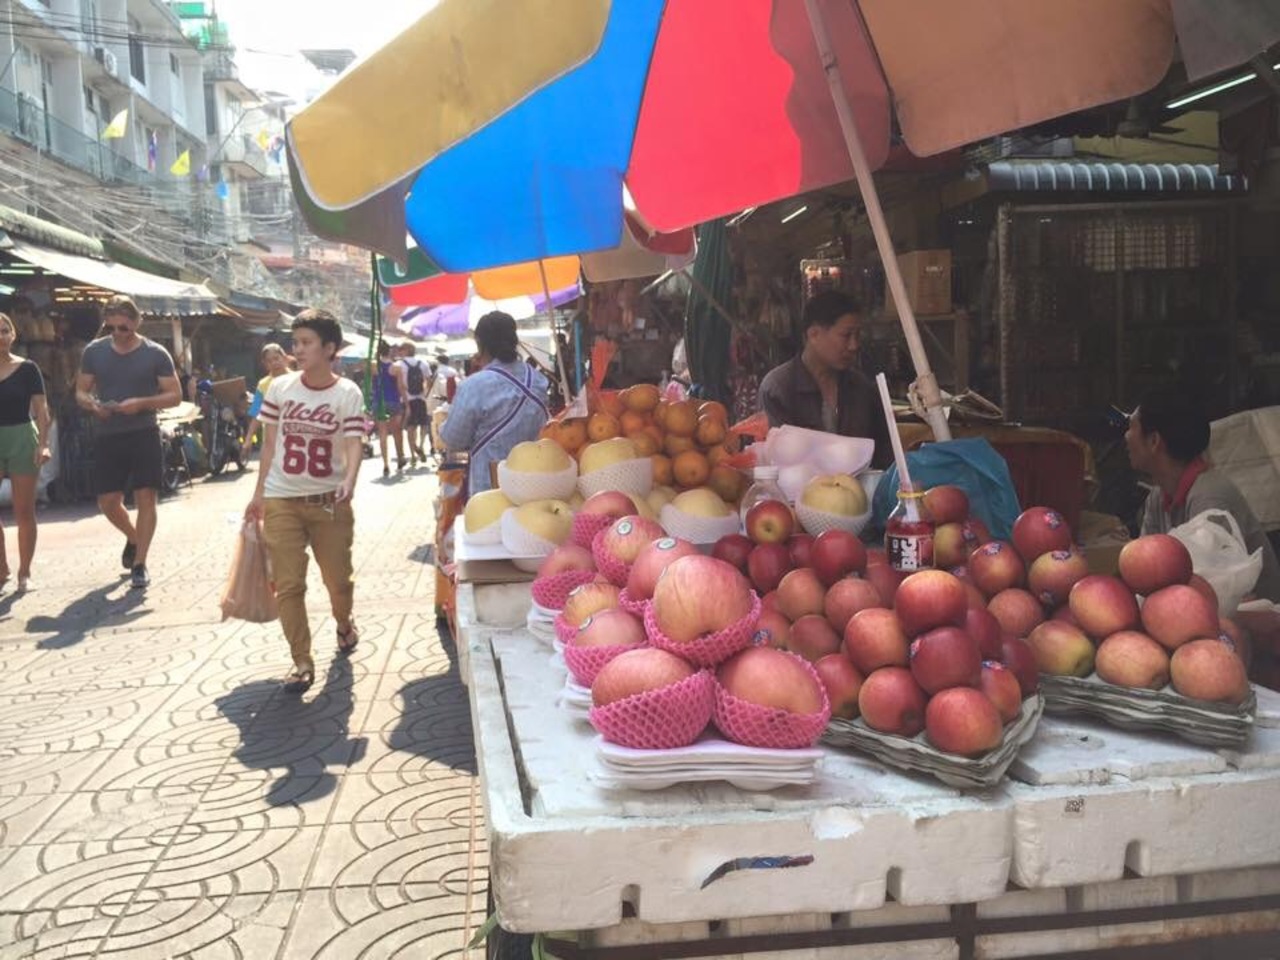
pixel 24 446
pixel 124 379
pixel 314 424
pixel 444 384
pixel 388 405
pixel 416 375
pixel 276 362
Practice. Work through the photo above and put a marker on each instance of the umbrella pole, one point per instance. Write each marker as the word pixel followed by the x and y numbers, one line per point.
pixel 926 382
pixel 551 317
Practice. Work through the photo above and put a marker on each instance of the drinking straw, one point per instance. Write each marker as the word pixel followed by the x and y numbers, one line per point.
pixel 904 475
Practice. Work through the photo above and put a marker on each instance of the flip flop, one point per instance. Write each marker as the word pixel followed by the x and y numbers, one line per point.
pixel 347 641
pixel 298 681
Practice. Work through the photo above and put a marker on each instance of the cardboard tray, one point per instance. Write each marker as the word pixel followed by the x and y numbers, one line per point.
pixel 917 754
pixel 1162 711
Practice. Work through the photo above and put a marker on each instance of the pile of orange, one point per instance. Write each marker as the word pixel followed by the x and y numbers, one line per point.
pixel 688 440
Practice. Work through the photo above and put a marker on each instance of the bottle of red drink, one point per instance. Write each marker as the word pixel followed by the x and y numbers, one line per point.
pixel 908 534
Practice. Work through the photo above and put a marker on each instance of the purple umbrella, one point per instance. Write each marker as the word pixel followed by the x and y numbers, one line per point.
pixel 455 319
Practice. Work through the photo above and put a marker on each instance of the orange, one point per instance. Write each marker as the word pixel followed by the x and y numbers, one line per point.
pixel 682 418
pixel 646 445
pixel 713 408
pixel 572 434
pixel 603 426
pixel 675 444
pixel 717 455
pixel 656 432
pixel 660 413
pixel 610 403
pixel 641 398
pixel 711 431
pixel 632 422
pixel 690 469
pixel 661 470
pixel 727 482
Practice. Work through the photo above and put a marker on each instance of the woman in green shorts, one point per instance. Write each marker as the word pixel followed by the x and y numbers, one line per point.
pixel 24 432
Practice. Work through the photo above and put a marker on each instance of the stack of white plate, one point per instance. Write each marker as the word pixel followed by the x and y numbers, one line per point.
pixel 541 623
pixel 575 699
pixel 710 758
pixel 1162 711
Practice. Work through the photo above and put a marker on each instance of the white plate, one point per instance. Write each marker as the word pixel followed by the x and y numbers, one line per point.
pixel 706 752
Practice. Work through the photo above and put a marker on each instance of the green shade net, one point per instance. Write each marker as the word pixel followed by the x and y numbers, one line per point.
pixel 706 330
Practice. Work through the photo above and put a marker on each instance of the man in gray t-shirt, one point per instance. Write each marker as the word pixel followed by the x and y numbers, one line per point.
pixel 124 379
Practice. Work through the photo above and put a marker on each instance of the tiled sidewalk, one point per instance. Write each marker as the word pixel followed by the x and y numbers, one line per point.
pixel 161 797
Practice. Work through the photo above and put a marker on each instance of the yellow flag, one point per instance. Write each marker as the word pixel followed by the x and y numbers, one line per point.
pixel 264 140
pixel 182 166
pixel 117 127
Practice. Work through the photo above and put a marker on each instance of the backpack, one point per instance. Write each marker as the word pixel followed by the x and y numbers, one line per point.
pixel 414 379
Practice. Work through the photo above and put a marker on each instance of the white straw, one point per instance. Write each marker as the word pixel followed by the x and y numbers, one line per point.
pixel 904 475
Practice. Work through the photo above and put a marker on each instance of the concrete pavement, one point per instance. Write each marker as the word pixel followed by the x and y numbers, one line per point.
pixel 161 797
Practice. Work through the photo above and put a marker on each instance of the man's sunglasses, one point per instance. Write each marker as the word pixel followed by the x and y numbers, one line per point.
pixel 113 328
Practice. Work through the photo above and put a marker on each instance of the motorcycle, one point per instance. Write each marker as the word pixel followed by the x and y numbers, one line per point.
pixel 226 439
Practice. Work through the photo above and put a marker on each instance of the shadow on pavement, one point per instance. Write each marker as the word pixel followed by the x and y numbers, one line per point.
pixel 435 716
pixel 304 737
pixel 93 611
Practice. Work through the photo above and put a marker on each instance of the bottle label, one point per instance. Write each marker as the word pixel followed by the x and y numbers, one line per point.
pixel 909 552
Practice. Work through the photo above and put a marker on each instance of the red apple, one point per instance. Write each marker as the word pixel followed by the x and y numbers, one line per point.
pixel 699 595
pixel 1202 585
pixel 945 657
pixel 963 721
pixel 928 599
pixel 982 625
pixel 1053 574
pixel 652 560
pixel 587 599
pixel 1153 562
pixel 800 592
pixel 1103 605
pixel 770 602
pixel 952 544
pixel 813 638
pixel 800 545
pixel 1017 610
pixel 846 597
pixel 886 580
pixel 1064 614
pixel 1039 530
pixel 836 554
pixel 637 671
pixel 769 521
pixel 609 503
pixel 1208 670
pixel 1132 659
pixel 626 537
pixel 1017 655
pixel 874 638
pixel 947 504
pixel 772 678
pixel 1061 649
pixel 843 684
pixel 1177 614
pixel 996 566
pixel 773 630
pixel 1230 633
pixel 1002 689
pixel 767 565
pixel 876 557
pixel 564 558
pixel 733 548
pixel 609 628
pixel 975 533
pixel 977 599
pixel 890 701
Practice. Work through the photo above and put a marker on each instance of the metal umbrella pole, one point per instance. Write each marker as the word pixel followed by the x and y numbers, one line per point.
pixel 926 382
pixel 551 317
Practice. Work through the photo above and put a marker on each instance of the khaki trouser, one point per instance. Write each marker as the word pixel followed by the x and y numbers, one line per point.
pixel 291 525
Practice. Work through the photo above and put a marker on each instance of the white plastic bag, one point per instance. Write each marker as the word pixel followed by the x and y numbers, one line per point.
pixel 1218 554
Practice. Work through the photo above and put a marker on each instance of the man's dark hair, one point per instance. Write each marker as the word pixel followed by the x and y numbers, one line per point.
pixel 121 305
pixel 1178 416
pixel 384 349
pixel 828 307
pixel 322 323
pixel 496 336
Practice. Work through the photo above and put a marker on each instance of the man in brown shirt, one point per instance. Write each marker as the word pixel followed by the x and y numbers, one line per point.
pixel 820 389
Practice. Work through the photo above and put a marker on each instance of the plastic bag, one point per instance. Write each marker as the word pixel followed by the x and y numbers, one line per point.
pixel 1219 554
pixel 971 464
pixel 248 594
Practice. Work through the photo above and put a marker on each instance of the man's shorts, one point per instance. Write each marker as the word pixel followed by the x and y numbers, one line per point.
pixel 18 450
pixel 127 460
pixel 417 416
pixel 382 412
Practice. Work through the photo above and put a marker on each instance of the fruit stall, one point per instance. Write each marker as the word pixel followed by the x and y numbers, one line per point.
pixel 741 720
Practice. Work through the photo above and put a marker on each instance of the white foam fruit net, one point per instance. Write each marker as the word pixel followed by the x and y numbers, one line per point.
pixel 628 476
pixel 697 529
pixel 522 542
pixel 819 521
pixel 521 486
pixel 489 536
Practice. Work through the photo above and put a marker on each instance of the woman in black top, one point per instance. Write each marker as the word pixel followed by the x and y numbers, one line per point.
pixel 24 432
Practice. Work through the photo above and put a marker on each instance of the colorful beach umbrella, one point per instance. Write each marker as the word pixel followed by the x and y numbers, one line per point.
pixel 456 319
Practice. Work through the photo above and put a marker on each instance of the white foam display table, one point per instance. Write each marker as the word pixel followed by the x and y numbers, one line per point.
pixel 1099 837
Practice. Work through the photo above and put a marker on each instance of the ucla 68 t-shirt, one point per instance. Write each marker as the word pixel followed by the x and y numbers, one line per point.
pixel 308 456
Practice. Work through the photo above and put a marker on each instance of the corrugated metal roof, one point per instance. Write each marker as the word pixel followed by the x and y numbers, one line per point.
pixel 1051 175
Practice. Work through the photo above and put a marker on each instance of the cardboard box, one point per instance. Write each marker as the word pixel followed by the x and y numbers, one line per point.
pixel 927 275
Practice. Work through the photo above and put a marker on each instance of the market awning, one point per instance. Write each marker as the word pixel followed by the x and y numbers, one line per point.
pixel 1051 176
pixel 154 295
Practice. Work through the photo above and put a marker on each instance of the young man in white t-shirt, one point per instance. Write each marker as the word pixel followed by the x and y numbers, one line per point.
pixel 311 452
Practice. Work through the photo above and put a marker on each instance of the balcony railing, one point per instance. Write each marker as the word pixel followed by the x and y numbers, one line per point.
pixel 24 118
pixel 243 149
